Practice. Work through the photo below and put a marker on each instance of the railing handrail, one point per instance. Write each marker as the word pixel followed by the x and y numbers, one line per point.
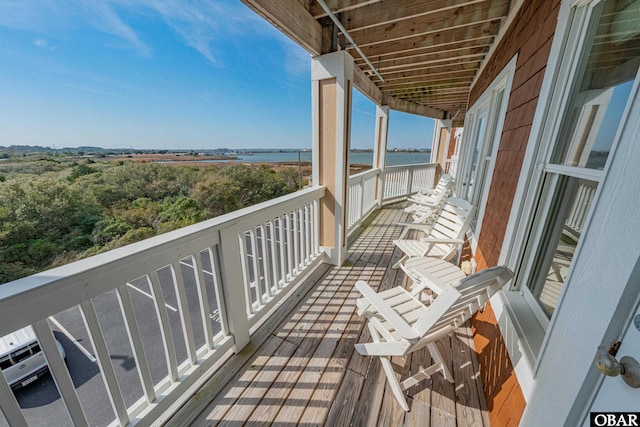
pixel 409 166
pixel 403 180
pixel 364 174
pixel 52 291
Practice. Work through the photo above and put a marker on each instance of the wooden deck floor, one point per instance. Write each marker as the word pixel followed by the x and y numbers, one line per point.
pixel 307 372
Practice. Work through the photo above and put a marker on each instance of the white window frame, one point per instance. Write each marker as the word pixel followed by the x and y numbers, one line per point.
pixel 486 106
pixel 519 315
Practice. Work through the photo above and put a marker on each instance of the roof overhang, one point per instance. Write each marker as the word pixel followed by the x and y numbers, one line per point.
pixel 419 57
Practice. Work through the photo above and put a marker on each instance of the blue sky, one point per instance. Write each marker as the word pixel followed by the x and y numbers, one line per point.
pixel 162 74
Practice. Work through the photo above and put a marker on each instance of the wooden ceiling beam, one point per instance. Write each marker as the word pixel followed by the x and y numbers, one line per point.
pixel 293 19
pixel 338 6
pixel 365 85
pixel 435 89
pixel 435 100
pixel 417 109
pixel 455 97
pixel 459 18
pixel 421 86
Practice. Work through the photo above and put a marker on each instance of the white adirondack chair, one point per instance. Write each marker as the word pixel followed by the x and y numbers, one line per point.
pixel 444 237
pixel 427 202
pixel 400 324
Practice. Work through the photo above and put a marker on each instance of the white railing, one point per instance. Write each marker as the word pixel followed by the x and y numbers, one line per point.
pixel 401 181
pixel 361 197
pixel 585 191
pixel 181 301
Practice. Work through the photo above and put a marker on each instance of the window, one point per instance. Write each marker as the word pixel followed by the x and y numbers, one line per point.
pixel 601 65
pixel 483 129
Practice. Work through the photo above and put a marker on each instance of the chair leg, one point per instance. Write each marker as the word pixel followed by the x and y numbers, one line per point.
pixel 439 360
pixel 397 390
pixel 399 263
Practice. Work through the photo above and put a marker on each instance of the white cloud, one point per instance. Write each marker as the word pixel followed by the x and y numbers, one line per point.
pixel 40 42
pixel 201 24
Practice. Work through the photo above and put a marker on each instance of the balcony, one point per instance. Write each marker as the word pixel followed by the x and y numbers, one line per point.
pixel 232 320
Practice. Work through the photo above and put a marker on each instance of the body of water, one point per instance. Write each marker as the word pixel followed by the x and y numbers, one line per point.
pixel 393 158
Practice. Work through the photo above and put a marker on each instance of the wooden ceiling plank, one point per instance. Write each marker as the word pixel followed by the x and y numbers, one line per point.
pixel 391 12
pixel 433 58
pixel 456 18
pixel 418 71
pixel 392 83
pixel 451 61
pixel 293 19
pixel 431 83
pixel 483 42
pixel 435 40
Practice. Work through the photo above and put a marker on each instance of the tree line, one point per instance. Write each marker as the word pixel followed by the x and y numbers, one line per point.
pixel 53 213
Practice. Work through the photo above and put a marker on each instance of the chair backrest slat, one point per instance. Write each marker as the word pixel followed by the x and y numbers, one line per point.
pixel 452 222
pixel 458 303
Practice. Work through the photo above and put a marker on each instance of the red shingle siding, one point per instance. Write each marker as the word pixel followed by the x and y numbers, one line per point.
pixel 452 143
pixel 529 36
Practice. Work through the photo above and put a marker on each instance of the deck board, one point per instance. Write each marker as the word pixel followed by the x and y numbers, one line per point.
pixel 307 372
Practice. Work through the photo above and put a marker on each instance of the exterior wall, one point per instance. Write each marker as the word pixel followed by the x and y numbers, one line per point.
pixel 452 143
pixel 530 37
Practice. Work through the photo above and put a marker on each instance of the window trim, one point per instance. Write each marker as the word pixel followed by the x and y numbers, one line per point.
pixel 495 118
pixel 567 51
pixel 513 309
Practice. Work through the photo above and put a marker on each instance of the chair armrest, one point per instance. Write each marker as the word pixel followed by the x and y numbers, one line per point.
pixel 423 202
pixel 416 225
pixel 436 240
pixel 384 309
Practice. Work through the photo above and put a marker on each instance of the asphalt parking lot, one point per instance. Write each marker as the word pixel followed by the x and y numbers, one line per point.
pixel 40 400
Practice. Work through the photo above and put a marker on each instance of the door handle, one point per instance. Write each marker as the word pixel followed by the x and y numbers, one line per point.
pixel 628 367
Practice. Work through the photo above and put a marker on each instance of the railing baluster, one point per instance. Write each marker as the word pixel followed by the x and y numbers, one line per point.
pixel 274 254
pixel 135 339
pixel 203 298
pixel 256 268
pixel 316 229
pixel 165 327
pixel 96 337
pixel 59 372
pixel 307 234
pixel 266 261
pixel 296 240
pixel 183 310
pixel 217 286
pixel 290 268
pixel 9 405
pixel 283 254
pixel 244 263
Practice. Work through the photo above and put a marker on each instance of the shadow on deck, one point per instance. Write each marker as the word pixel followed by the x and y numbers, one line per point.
pixel 307 372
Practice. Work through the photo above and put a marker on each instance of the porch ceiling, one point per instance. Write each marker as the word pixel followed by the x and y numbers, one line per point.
pixel 427 51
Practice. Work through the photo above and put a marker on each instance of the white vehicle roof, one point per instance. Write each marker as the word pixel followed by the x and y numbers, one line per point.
pixel 17 339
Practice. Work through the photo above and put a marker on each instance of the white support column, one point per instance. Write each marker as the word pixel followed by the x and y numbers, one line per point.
pixel 380 148
pixel 331 76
